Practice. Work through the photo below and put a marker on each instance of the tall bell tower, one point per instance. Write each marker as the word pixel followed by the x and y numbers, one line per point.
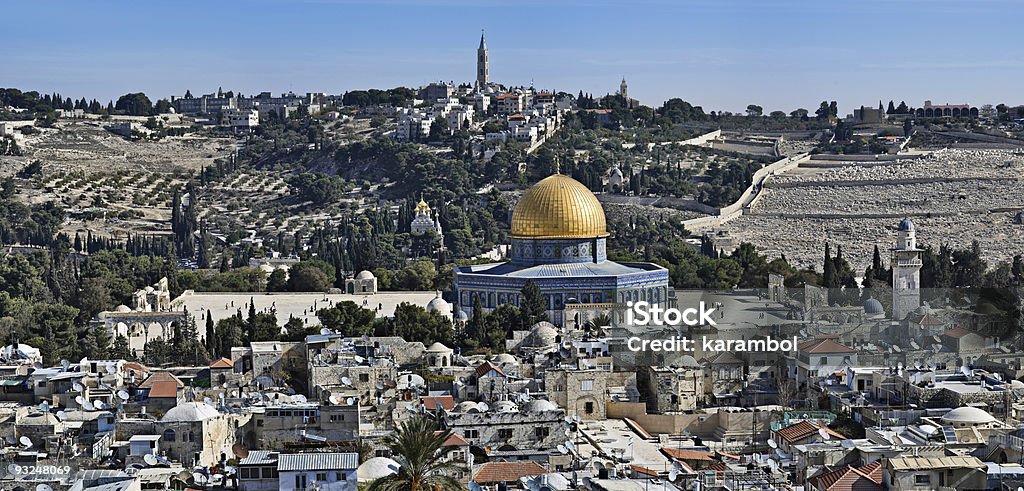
pixel 906 272
pixel 483 71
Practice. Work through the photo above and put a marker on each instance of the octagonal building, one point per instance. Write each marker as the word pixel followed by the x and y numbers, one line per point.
pixel 559 236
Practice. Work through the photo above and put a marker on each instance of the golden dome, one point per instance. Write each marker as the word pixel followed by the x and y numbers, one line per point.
pixel 422 207
pixel 558 207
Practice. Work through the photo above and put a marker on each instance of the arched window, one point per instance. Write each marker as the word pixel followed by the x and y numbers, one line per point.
pixel 169 435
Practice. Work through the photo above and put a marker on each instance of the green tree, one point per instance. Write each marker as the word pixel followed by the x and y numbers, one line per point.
pixel 753 110
pixel 417 447
pixel 311 275
pixel 278 281
pixel 532 307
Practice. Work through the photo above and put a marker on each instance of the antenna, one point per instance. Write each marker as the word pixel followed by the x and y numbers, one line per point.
pixel 773 444
pixel 824 434
pixel 150 459
pixel 123 395
pixel 25 442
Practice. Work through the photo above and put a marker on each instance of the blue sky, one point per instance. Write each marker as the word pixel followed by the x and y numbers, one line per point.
pixel 719 54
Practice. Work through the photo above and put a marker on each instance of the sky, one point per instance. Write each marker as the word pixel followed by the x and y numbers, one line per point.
pixel 719 54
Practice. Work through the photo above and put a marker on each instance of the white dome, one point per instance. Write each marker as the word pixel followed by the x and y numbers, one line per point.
pixel 364 275
pixel 505 359
pixel 466 407
pixel 543 334
pixel 505 407
pixel 967 414
pixel 440 306
pixel 189 412
pixel 123 308
pixel 539 406
pixel 686 361
pixel 376 468
pixel 438 348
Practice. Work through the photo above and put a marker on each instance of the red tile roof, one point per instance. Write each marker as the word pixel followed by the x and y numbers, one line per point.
pixel 850 478
pixel 957 332
pixel 431 402
pixel 494 472
pixel 798 431
pixel 683 454
pixel 161 377
pixel 222 363
pixel 486 367
pixel 454 440
pixel 163 389
pixel 825 346
pixel 643 470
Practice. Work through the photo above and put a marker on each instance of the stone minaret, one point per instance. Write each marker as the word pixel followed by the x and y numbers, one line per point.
pixel 483 71
pixel 906 272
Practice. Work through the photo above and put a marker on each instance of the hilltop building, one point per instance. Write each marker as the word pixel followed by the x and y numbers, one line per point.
pixel 424 220
pixel 558 242
pixel 483 70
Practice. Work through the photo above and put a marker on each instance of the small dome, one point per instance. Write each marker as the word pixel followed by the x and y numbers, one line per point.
pixel 686 361
pixel 440 306
pixel 189 412
pixel 462 316
pixel 466 407
pixel 969 415
pixel 906 225
pixel 39 419
pixel 539 406
pixel 376 468
pixel 364 275
pixel 616 172
pixel 505 359
pixel 123 308
pixel 438 348
pixel 1017 384
pixel 505 407
pixel 542 334
pixel 872 306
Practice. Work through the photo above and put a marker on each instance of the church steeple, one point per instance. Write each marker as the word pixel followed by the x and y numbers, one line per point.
pixel 483 74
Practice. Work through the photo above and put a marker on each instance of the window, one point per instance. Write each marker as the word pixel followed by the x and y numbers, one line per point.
pixel 588 408
pixel 300 481
pixel 505 433
pixel 340 476
pixel 921 479
pixel 364 377
pixel 244 473
pixel 472 434
pixel 268 472
pixel 823 360
pixel 586 385
pixel 169 435
pixel 542 432
pixel 321 476
pixel 259 422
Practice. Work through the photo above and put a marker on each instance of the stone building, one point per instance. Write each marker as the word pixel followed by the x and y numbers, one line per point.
pixel 195 433
pixel 670 389
pixel 582 393
pixel 503 425
pixel 920 473
pixel 425 220
pixel 363 283
pixel 906 272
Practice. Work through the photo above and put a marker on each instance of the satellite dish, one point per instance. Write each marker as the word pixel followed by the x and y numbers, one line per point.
pixel 411 408
pixel 379 385
pixel 570 445
pixel 298 398
pixel 80 400
pixel 87 405
pixel 44 407
pixel 150 459
pixel 111 369
pixel 562 450
pixel 673 474
pixel 77 387
pixel 346 381
pixel 208 401
pixel 25 442
pixel 102 405
pixel 61 415
pixel 352 400
pixel 333 399
pixel 199 478
pixel 240 450
pixel 772 444
pixel 43 487
pixel 325 332
pixel 64 365
pixel 483 407
pixel 782 455
pixel 123 395
pixel 966 371
pixel 847 444
pixel 824 434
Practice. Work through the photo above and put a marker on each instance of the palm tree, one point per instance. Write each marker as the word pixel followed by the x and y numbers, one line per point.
pixel 417 449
